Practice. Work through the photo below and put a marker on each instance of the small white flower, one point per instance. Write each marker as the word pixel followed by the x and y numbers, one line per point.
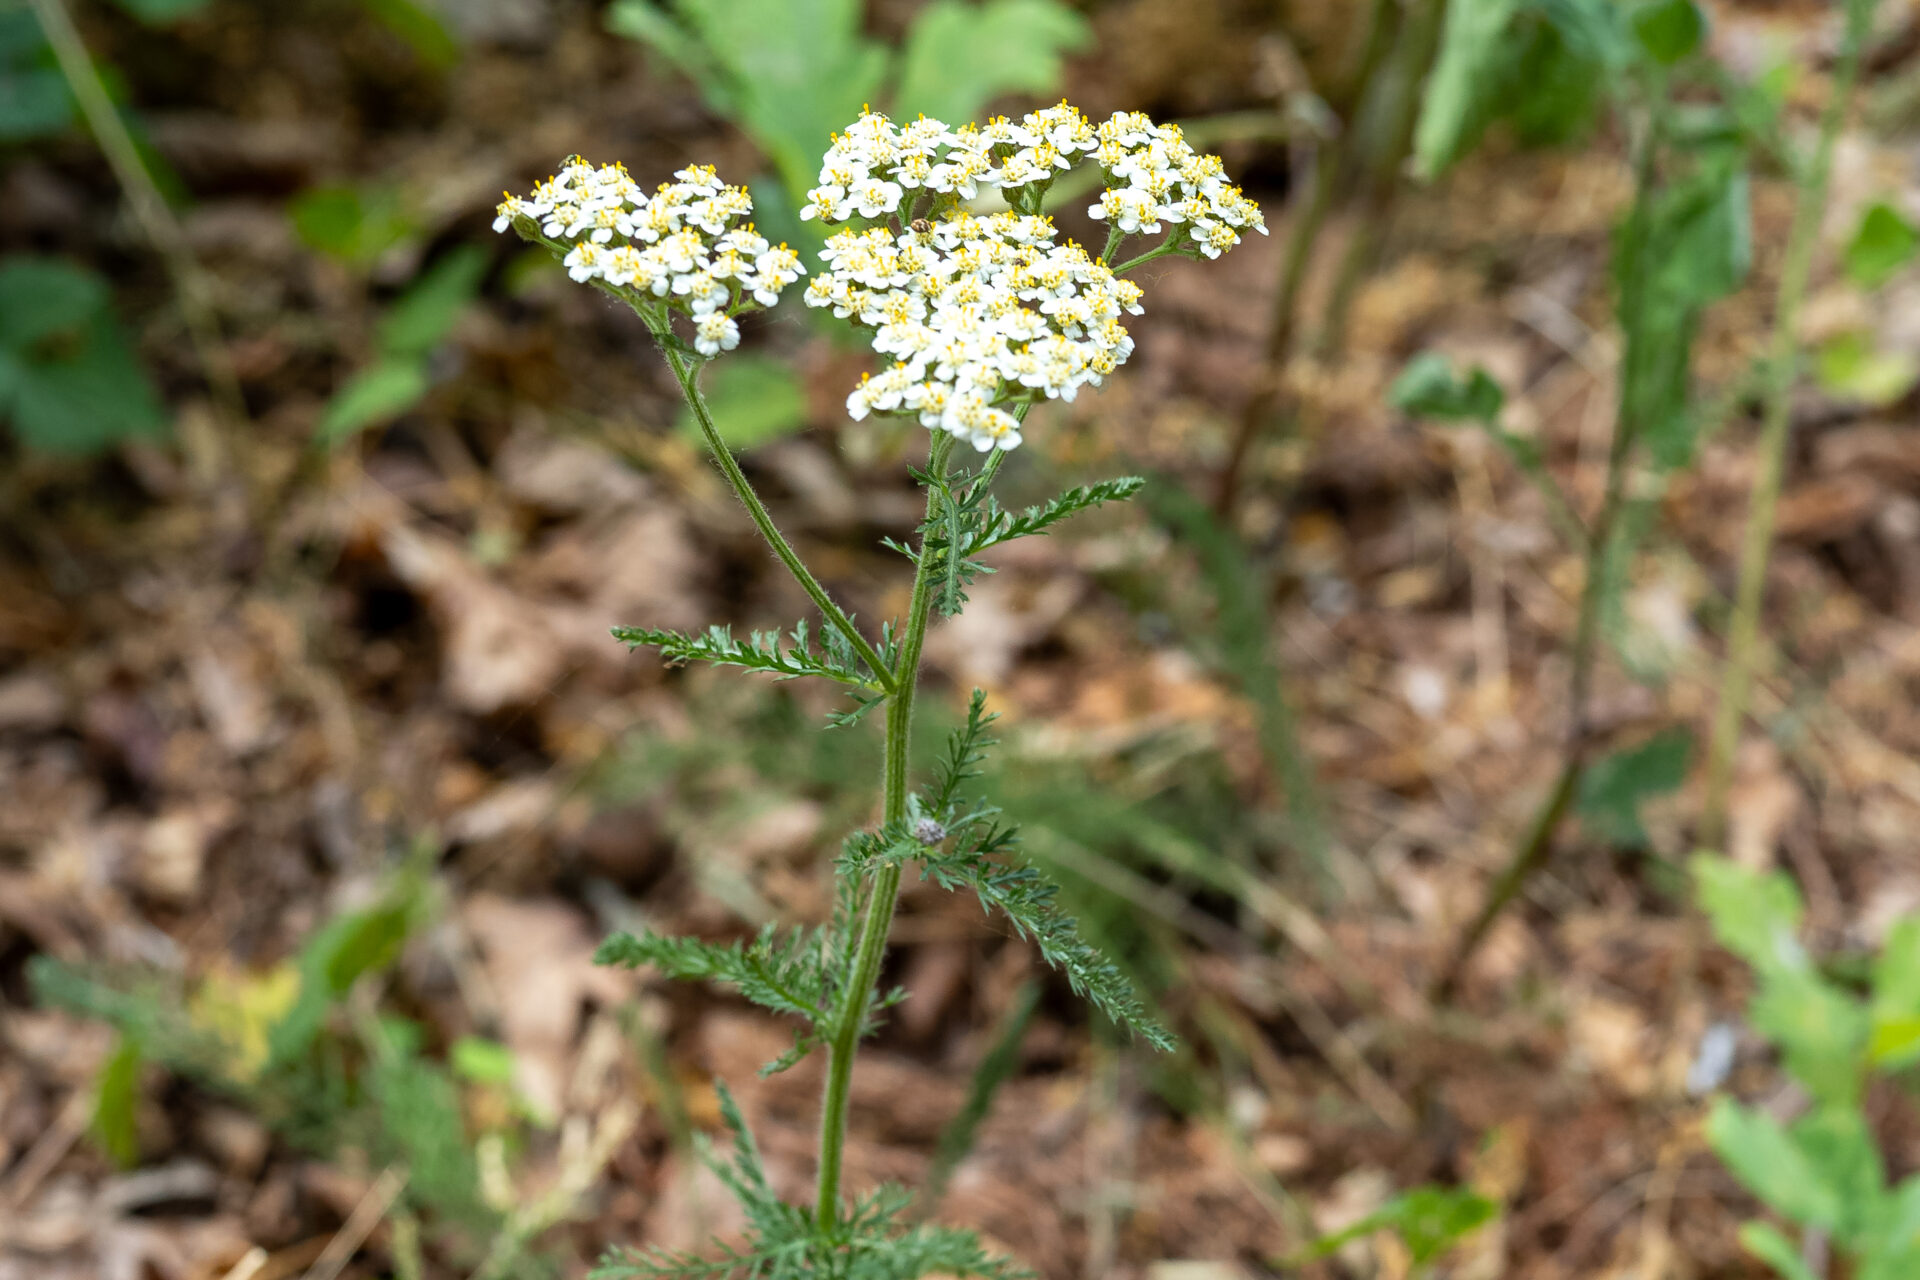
pixel 872 197
pixel 585 262
pixel 624 264
pixel 562 220
pixel 702 292
pixel 824 203
pixel 715 332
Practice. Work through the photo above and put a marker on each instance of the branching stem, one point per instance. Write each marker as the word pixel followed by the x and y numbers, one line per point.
pixel 687 372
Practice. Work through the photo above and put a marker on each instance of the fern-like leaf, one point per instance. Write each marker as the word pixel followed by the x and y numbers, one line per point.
pixel 998 526
pixel 784 658
pixel 792 975
pixel 957 847
pixel 784 1243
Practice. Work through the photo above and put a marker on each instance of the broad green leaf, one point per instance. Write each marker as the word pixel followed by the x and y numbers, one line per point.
pixel 1884 243
pixel 353 224
pixel 651 25
pixel 1431 1220
pixel 1757 917
pixel 1466 72
pixel 421 316
pixel 1696 247
pixel 348 948
pixel 360 943
pixel 116 1095
pixel 41 298
pixel 373 396
pixel 420 27
pixel 22 43
pixel 1427 388
pixel 481 1061
pixel 1703 236
pixel 1852 367
pixel 1841 1150
pixel 800 70
pixel 754 399
pixel 1559 74
pixel 1822 1032
pixel 1895 1041
pixel 1615 786
pixel 34 101
pixel 69 380
pixel 1765 1243
pixel 1668 30
pixel 960 55
pixel 1894 1253
pixel 1760 1155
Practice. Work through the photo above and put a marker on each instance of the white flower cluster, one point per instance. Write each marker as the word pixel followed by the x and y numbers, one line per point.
pixel 682 245
pixel 984 313
pixel 869 169
pixel 1154 176
pixel 978 313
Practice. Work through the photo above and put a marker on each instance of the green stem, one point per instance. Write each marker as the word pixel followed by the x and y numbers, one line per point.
pixel 871 947
pixel 1536 844
pixel 686 371
pixel 1168 246
pixel 1757 546
pixel 1528 858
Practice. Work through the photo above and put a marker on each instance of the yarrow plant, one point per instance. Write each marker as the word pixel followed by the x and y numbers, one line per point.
pixel 981 315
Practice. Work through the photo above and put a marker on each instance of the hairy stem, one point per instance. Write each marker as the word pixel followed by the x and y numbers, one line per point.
pixel 686 371
pixel 1171 245
pixel 1757 546
pixel 871 948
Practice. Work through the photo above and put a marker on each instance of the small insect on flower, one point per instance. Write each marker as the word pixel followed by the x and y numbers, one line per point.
pixel 922 227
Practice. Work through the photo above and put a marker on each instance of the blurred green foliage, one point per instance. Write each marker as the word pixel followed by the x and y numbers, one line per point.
pixel 69 379
pixel 755 398
pixel 323 1072
pixel 1428 1221
pixel 1883 244
pixel 793 72
pixel 1427 388
pixel 354 224
pixel 398 377
pixel 34 101
pixel 1614 787
pixel 1822 1171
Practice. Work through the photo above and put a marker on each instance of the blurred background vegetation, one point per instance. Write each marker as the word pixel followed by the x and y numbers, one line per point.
pixel 1540 504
